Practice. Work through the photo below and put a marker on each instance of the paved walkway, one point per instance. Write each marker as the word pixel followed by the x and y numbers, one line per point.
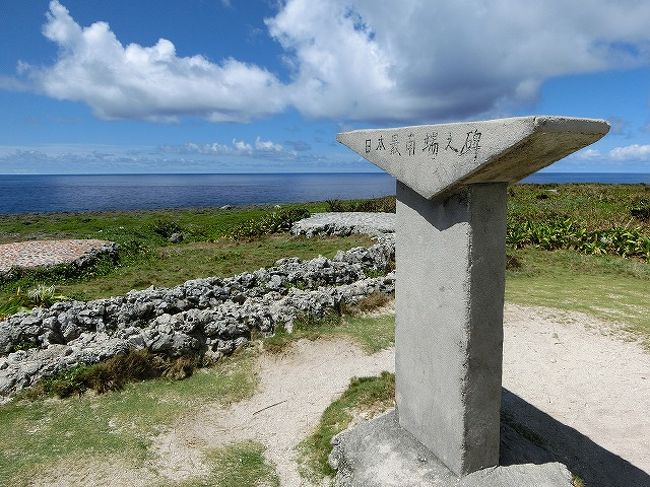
pixel 36 253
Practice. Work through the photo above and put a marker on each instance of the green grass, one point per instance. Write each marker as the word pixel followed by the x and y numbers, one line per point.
pixel 42 433
pixel 372 333
pixel 237 465
pixel 612 288
pixel 598 206
pixel 173 265
pixel 146 258
pixel 368 394
pixel 168 266
pixel 141 236
pixel 200 224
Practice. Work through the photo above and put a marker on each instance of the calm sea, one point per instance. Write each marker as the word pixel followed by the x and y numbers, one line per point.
pixel 25 194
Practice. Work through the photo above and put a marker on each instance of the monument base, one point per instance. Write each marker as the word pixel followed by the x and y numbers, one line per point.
pixel 380 453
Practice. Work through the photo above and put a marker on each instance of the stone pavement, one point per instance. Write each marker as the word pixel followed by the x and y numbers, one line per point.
pixel 345 223
pixel 37 253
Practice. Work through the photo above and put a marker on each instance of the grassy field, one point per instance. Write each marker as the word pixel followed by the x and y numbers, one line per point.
pixel 147 258
pixel 197 225
pixel 609 287
pixel 598 206
pixel 47 434
pixel 237 465
pixel 168 266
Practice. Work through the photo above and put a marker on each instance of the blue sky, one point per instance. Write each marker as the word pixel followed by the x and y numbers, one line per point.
pixel 89 86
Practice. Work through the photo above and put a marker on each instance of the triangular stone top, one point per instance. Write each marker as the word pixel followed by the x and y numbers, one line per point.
pixel 435 159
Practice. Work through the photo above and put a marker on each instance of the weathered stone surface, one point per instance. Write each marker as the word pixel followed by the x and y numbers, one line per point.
pixel 380 453
pixel 210 316
pixel 346 223
pixel 434 159
pixel 449 322
pixel 176 237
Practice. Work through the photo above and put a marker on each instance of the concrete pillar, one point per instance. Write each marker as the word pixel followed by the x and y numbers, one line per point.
pixel 449 312
pixel 450 249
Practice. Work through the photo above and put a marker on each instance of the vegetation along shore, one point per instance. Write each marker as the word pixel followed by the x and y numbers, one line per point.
pixel 575 248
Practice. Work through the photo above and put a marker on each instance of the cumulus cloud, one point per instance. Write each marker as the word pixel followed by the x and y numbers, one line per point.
pixel 267 146
pixel 153 83
pixel 634 152
pixel 628 153
pixel 371 60
pixel 413 59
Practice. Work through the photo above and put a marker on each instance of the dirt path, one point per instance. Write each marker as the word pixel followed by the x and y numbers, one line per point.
pixel 585 375
pixel 565 364
pixel 304 381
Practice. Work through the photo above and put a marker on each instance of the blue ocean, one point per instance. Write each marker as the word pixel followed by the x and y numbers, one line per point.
pixel 77 193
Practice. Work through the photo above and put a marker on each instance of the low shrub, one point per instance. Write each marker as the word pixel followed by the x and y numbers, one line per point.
pixel 512 262
pixel 385 204
pixel 165 228
pixel 339 206
pixel 43 295
pixel 17 302
pixel 40 295
pixel 569 234
pixel 640 209
pixel 277 221
pixel 114 373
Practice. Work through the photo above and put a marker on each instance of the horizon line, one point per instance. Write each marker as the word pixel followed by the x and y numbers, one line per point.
pixel 278 173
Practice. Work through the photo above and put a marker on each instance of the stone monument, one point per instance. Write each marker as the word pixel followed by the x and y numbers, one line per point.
pixel 450 257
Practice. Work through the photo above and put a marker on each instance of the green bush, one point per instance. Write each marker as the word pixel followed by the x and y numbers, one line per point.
pixel 43 295
pixel 385 204
pixel 568 234
pixel 640 209
pixel 378 205
pixel 277 221
pixel 40 295
pixel 165 228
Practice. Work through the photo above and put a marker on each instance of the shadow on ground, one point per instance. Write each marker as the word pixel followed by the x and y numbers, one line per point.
pixel 529 435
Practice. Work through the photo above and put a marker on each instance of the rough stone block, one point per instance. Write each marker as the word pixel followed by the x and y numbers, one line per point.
pixel 433 159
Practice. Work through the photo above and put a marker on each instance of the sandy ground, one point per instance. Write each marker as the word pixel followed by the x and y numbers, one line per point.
pixel 304 382
pixel 570 366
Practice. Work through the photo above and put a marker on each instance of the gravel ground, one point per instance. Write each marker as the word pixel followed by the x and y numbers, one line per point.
pixel 37 253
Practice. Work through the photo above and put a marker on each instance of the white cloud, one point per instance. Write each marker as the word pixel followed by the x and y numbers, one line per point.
pixel 588 154
pixel 241 147
pixel 369 60
pixel 414 59
pixel 260 149
pixel 152 83
pixel 267 146
pixel 631 152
